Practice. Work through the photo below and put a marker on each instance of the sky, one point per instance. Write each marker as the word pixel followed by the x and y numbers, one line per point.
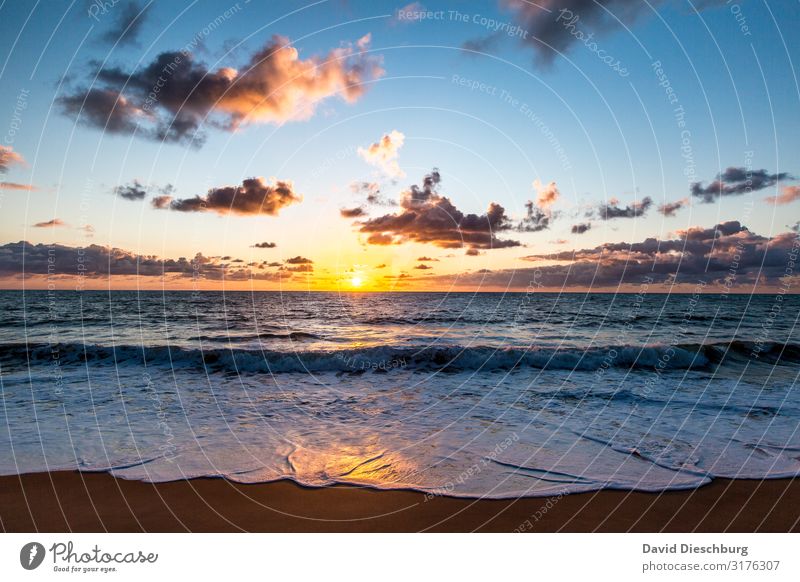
pixel 360 146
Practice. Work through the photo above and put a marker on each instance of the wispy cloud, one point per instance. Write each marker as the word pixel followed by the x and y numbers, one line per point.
pixel 47 223
pixel 787 196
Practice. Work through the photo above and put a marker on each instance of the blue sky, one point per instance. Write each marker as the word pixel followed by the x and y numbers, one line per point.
pixel 619 135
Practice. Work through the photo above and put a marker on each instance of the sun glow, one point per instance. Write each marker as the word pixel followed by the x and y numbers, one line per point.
pixel 356 281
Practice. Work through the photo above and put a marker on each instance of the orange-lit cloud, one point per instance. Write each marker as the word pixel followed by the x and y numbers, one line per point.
pixel 15 186
pixel 789 194
pixel 8 158
pixel 383 153
pixel 171 97
pixel 546 194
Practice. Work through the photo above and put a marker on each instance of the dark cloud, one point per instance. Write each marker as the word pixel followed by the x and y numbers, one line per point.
pixel 536 218
pixel 254 196
pixel 727 255
pixel 736 181
pixel 133 191
pixel 53 222
pixel 581 228
pixel 427 259
pixel 99 261
pixel 128 24
pixel 352 212
pixel 428 217
pixel 170 98
pixel 553 26
pixel 299 261
pixel 423 267
pixel 298 269
pixel 670 208
pixel 612 209
pixel 265 245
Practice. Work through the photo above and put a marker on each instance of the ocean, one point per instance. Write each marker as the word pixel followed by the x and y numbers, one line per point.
pixel 464 394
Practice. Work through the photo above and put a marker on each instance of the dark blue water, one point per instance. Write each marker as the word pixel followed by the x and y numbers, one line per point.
pixel 541 392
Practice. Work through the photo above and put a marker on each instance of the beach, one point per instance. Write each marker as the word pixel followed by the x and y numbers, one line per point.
pixel 70 501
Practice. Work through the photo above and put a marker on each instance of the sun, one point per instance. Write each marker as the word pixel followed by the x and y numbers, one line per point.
pixel 356 281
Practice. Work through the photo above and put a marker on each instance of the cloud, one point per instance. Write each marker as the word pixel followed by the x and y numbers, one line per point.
pixel 789 194
pixel 133 191
pixel 373 193
pixel 53 222
pixel 265 245
pixel 423 267
pixel 736 181
pixel 535 220
pixel 298 269
pixel 255 196
pixel 352 212
pixel 383 153
pixel 612 209
pixel 692 255
pixel 299 261
pixel 8 158
pixel 161 202
pixel 131 17
pixel 170 98
pixel 553 26
pixel 430 218
pixel 546 195
pixel 427 259
pixel 482 44
pixel 26 259
pixel 539 215
pixel 670 208
pixel 580 228
pixel 16 186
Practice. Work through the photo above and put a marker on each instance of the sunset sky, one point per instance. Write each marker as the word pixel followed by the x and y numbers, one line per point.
pixel 376 146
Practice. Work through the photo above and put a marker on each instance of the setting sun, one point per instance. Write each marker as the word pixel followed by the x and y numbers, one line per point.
pixel 356 281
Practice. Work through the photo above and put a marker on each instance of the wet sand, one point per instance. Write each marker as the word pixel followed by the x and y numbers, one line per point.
pixel 94 502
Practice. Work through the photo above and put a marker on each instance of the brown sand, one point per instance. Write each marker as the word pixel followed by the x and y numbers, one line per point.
pixel 94 502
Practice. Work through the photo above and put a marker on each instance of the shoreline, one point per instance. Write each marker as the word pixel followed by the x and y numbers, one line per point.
pixel 71 501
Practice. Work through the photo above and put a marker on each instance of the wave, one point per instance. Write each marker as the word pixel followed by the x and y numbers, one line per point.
pixel 423 358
